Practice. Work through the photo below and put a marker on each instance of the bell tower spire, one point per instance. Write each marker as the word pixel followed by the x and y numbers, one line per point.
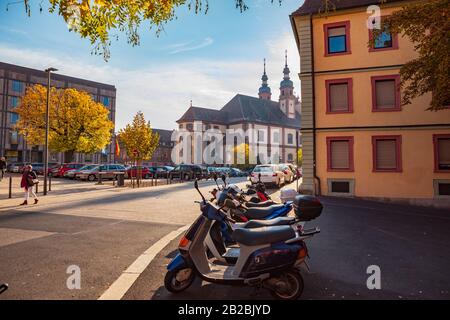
pixel 287 98
pixel 264 90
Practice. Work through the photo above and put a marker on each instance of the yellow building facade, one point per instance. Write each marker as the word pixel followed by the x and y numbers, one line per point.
pixel 358 140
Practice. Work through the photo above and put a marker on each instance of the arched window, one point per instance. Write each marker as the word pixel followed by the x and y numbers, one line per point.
pixel 290 138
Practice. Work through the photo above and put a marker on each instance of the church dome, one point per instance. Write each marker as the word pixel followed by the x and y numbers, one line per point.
pixel 286 83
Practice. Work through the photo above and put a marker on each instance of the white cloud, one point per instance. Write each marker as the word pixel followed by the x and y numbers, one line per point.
pixel 163 91
pixel 183 47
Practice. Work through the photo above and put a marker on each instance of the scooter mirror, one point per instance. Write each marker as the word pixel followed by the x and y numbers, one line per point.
pixel 198 190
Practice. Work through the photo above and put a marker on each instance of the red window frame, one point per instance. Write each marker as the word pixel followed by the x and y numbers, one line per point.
pixel 398 153
pixel 394 41
pixel 349 82
pixel 396 78
pixel 327 26
pixel 436 151
pixel 350 140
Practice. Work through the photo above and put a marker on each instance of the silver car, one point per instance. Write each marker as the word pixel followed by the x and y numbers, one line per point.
pixel 269 174
pixel 107 171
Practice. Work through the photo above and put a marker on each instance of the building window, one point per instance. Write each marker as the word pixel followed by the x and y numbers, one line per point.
pixel 180 126
pixel 441 152
pixel 386 93
pixel 190 126
pixel 384 41
pixel 276 137
pixel 216 127
pixel 14 117
pixel 290 138
pixel 340 154
pixel 337 38
pixel 339 94
pixel 387 153
pixel 14 102
pixel 260 136
pixel 105 101
pixel 17 86
pixel 14 137
pixel 441 188
pixel 341 187
pixel 290 157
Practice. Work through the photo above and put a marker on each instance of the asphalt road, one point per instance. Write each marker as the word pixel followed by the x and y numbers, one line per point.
pixel 104 231
pixel 411 245
pixel 100 231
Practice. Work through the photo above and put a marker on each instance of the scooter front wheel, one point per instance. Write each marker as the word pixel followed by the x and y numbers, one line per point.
pixel 179 280
pixel 288 286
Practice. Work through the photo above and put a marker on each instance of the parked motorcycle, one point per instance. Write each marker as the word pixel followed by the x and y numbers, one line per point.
pixel 269 257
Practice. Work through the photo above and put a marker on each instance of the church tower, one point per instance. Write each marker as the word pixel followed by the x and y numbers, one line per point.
pixel 288 100
pixel 264 90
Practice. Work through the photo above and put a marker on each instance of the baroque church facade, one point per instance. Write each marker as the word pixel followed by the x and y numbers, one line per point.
pixel 275 122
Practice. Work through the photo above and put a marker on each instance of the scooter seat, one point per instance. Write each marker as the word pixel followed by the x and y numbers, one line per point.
pixel 281 221
pixel 264 235
pixel 261 213
pixel 260 204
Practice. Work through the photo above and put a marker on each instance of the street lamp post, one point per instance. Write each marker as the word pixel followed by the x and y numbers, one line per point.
pixel 47 121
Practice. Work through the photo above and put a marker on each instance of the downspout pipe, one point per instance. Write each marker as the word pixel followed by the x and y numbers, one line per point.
pixel 316 178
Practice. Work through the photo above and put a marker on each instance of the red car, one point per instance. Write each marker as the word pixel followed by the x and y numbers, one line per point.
pixel 60 170
pixel 146 172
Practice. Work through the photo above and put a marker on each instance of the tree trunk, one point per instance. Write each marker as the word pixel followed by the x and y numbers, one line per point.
pixel 139 172
pixel 68 156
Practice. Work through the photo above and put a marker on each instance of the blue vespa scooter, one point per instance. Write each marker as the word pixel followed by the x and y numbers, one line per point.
pixel 270 257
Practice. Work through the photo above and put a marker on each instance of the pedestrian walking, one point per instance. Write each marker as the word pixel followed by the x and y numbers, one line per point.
pixel 2 167
pixel 29 179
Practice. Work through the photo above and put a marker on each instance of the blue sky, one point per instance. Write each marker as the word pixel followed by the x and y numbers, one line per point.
pixel 205 58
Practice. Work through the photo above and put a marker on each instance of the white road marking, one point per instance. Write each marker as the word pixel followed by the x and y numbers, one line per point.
pixel 118 289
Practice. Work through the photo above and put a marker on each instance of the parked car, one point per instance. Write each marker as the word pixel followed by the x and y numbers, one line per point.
pixel 38 168
pixel 60 170
pixel 188 172
pixel 146 172
pixel 169 168
pixel 270 174
pixel 160 172
pixel 74 173
pixel 16 167
pixel 108 171
pixel 288 171
pixel 235 172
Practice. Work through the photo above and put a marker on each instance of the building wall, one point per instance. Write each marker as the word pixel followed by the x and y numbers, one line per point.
pixel 413 123
pixel 415 179
pixel 303 29
pixel 20 151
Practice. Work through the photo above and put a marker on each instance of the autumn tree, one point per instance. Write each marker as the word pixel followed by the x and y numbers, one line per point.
pixel 76 122
pixel 98 20
pixel 300 156
pixel 139 140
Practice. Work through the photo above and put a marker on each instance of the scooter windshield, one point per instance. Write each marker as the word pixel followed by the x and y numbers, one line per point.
pixel 212 213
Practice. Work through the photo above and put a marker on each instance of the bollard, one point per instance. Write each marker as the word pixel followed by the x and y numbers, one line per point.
pixel 50 183
pixel 167 177
pixel 10 188
pixel 156 181
pixel 100 178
